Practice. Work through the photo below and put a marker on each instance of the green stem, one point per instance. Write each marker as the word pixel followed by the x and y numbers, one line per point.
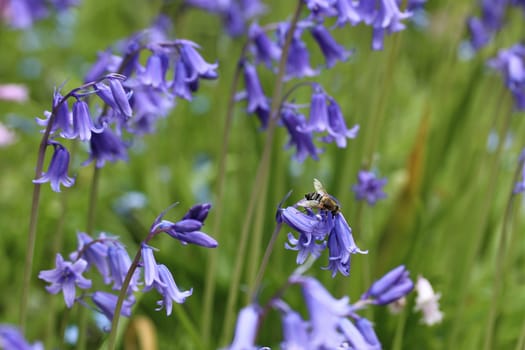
pixel 499 272
pixel 260 178
pixel 210 281
pixel 397 343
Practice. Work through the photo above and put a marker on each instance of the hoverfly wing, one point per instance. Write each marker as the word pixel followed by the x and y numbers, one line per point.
pixel 305 203
pixel 319 188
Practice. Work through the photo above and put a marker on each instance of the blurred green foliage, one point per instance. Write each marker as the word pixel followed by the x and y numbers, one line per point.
pixel 426 118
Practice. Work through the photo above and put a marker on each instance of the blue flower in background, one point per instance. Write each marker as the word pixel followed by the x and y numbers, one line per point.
pixel 64 278
pixel 392 286
pixel 12 339
pixel 369 187
pixel 106 303
pixel 246 328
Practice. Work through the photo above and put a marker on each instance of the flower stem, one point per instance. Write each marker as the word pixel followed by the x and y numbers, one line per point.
pixel 260 179
pixel 209 286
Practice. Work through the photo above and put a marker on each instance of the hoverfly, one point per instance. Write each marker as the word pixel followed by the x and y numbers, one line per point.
pixel 320 199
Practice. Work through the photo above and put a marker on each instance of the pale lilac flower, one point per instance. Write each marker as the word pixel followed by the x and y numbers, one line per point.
pixel 169 290
pixel 121 97
pixel 246 329
pixel 427 302
pixel 22 13
pixel 511 64
pixel 337 130
pixel 12 339
pixel 369 187
pixel 151 269
pixel 107 302
pixel 366 328
pixel 180 85
pixel 7 137
pixel 306 245
pixel 331 50
pixel 64 278
pixel 318 121
pixel 392 286
pixel 155 71
pixel 119 264
pixel 354 337
pixel 57 171
pixel 106 147
pixel 295 331
pixel 13 92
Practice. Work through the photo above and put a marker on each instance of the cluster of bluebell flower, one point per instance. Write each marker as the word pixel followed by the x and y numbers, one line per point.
pixel 111 260
pixel 132 98
pixel 332 324
pixel 369 187
pixel 490 21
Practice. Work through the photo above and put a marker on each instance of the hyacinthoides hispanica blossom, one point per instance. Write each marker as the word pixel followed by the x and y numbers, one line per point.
pixel 131 103
pixel 21 14
pixel 107 258
pixel 332 324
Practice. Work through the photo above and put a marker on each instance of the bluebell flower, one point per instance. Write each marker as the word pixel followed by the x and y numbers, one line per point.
pixel 21 14
pixel 57 171
pixel 121 97
pixel 346 12
pixel 196 65
pixel 337 130
pixel 106 303
pixel 62 121
pixel 392 286
pixel 264 49
pixel 331 50
pixel 325 313
pixel 119 264
pixel 94 253
pixel 295 331
pixel 169 290
pixel 180 85
pixel 64 278
pixel 82 124
pixel 188 229
pixel 341 245
pixel 106 146
pixel 479 35
pixel 354 338
pixel 511 64
pixel 299 136
pixel 369 187
pixel 298 60
pixel 12 339
pixel 366 328
pixel 155 71
pixel 246 329
pixel 151 269
pixel 106 62
pixel 306 245
pixel 254 92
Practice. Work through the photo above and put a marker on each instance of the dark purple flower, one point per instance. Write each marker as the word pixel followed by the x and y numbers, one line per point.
pixel 12 339
pixel 302 140
pixel 169 290
pixel 254 91
pixel 107 302
pixel 82 124
pixel 246 329
pixel 64 278
pixel 369 187
pixel 331 50
pixel 264 49
pixel 389 288
pixel 57 171
pixel 198 212
pixel 106 146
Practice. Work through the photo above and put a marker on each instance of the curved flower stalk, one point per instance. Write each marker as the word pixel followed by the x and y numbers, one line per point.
pixel 332 323
pixel 109 258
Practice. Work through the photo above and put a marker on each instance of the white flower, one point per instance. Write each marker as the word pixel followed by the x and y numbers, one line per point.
pixel 428 302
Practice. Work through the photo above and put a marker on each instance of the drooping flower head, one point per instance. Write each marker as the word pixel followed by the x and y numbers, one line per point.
pixel 57 172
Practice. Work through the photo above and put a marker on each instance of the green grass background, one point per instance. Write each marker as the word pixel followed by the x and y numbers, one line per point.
pixel 426 117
